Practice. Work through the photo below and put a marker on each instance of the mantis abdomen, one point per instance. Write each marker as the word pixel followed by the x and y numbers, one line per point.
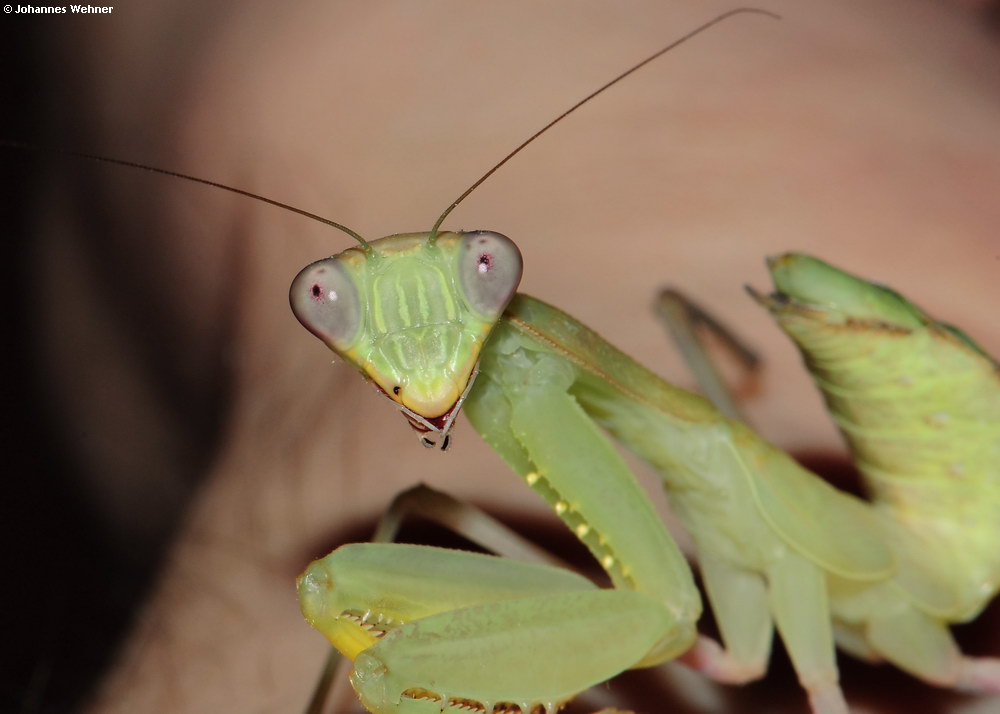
pixel 918 402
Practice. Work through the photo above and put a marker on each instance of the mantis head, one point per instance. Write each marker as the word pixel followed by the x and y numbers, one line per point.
pixel 412 312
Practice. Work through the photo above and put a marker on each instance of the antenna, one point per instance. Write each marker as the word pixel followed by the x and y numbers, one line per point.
pixel 697 31
pixel 176 174
pixel 437 224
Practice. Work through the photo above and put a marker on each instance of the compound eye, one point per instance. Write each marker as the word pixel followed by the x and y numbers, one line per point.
pixel 490 270
pixel 324 298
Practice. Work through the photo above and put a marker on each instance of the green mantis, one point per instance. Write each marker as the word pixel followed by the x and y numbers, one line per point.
pixel 773 541
pixel 526 239
pixel 776 545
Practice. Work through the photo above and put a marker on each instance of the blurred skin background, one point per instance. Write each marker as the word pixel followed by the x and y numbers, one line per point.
pixel 182 447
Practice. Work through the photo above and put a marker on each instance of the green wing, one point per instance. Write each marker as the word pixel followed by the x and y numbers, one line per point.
pixel 831 528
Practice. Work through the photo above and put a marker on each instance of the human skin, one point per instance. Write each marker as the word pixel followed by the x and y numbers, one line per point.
pixel 863 132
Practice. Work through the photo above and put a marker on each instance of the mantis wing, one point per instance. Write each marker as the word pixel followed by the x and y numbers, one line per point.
pixel 829 527
pixel 846 536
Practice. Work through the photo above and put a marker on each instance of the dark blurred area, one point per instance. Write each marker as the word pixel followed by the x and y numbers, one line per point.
pixel 71 586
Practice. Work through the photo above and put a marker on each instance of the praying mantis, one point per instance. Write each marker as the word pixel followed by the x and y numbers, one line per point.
pixel 664 226
pixel 433 320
